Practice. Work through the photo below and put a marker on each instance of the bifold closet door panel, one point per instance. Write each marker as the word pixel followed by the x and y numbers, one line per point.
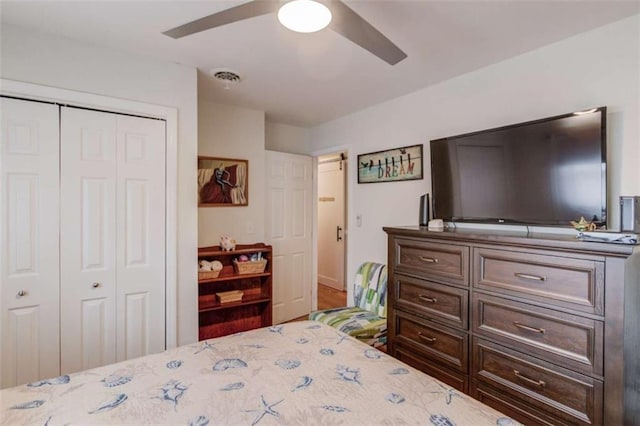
pixel 29 268
pixel 140 236
pixel 87 239
pixel 112 238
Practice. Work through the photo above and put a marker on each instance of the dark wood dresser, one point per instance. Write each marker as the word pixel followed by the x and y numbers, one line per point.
pixel 544 328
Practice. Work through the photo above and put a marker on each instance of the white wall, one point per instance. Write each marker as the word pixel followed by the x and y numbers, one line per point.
pixel 287 138
pixel 63 63
pixel 233 132
pixel 596 68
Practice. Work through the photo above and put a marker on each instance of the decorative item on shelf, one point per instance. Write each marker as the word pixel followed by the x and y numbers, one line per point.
pixel 209 269
pixel 255 264
pixel 582 225
pixel 227 243
pixel 436 225
pixel 229 296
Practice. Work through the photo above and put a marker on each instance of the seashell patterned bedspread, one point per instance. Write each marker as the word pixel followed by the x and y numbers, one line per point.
pixel 301 373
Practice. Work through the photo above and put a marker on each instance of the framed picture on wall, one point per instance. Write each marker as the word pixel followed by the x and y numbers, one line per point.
pixel 391 165
pixel 222 182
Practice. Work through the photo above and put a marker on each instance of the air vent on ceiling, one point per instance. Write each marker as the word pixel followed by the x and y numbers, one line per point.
pixel 226 76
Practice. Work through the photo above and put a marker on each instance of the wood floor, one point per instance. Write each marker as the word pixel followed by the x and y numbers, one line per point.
pixel 327 298
pixel 331 298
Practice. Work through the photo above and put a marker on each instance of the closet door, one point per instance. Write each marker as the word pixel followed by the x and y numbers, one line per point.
pixel 29 262
pixel 113 238
pixel 140 273
pixel 87 239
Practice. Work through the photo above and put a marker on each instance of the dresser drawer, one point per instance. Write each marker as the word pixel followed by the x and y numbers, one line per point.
pixel 561 392
pixel 440 303
pixel 452 378
pixel 542 276
pixel 447 262
pixel 558 337
pixel 438 343
pixel 518 410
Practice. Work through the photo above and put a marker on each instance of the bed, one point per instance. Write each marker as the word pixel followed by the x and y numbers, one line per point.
pixel 303 373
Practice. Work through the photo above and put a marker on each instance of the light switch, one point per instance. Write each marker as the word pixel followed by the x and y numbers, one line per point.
pixel 359 220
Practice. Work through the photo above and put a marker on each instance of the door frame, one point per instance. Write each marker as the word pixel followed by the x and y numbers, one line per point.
pixel 314 207
pixel 336 157
pixel 35 92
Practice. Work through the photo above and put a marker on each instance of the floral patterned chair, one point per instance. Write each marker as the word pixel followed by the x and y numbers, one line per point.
pixel 367 320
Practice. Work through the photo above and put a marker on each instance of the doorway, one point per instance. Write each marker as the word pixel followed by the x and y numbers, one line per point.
pixel 332 232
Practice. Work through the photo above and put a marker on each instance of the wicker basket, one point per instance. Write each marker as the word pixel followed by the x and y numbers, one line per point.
pixel 205 275
pixel 230 296
pixel 253 267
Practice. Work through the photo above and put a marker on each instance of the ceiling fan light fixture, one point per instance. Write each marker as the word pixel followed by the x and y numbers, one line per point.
pixel 304 16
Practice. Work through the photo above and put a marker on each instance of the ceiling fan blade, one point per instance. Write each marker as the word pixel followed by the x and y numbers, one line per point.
pixel 238 13
pixel 352 26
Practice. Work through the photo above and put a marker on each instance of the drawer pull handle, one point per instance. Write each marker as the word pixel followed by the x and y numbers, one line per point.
pixel 428 299
pixel 429 259
pixel 530 277
pixel 426 338
pixel 21 293
pixel 528 327
pixel 538 383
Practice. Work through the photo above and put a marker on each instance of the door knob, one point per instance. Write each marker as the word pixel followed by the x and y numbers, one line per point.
pixel 96 285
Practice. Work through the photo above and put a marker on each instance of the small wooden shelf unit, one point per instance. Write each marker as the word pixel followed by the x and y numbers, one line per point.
pixel 254 311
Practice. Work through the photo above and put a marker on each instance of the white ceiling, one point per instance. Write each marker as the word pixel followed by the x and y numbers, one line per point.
pixel 308 79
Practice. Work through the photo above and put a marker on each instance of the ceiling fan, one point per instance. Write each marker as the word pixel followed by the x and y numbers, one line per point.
pixel 343 20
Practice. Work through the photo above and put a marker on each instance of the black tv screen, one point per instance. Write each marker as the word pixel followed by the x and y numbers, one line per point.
pixel 543 172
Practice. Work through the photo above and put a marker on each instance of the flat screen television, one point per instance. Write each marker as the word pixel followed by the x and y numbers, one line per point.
pixel 543 172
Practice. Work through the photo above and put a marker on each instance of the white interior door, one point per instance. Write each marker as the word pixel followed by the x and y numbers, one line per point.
pixel 140 271
pixel 331 223
pixel 288 230
pixel 29 268
pixel 87 243
pixel 113 238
